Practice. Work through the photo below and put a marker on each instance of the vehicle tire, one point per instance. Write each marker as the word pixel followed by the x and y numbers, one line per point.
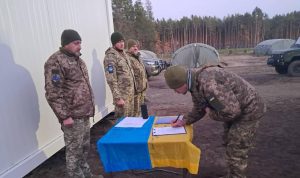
pixel 148 76
pixel 294 69
pixel 281 70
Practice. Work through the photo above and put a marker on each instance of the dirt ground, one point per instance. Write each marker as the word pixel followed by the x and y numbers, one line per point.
pixel 276 155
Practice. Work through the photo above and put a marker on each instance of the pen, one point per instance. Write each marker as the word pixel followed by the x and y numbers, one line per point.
pixel 177 118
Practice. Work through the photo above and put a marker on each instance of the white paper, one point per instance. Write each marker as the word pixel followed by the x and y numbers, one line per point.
pixel 167 119
pixel 168 130
pixel 132 122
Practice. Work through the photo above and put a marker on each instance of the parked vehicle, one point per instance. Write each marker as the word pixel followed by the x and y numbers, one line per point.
pixel 286 61
pixel 152 67
pixel 152 64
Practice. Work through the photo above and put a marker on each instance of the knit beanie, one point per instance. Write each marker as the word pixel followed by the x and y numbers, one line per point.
pixel 116 37
pixel 176 76
pixel 69 36
pixel 131 43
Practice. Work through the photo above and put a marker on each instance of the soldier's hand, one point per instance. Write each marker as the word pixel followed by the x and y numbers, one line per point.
pixel 207 110
pixel 178 123
pixel 120 103
pixel 68 122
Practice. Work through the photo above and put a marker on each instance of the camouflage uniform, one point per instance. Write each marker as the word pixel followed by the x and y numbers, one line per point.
pixel 120 78
pixel 69 94
pixel 238 105
pixel 141 82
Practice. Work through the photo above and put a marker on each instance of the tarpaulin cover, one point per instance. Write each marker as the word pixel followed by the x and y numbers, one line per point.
pixel 196 55
pixel 267 47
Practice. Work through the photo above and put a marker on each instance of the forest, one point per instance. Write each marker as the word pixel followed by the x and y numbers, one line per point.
pixel 165 36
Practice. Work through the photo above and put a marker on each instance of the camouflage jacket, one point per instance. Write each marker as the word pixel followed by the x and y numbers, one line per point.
pixel 119 74
pixel 67 86
pixel 233 96
pixel 140 75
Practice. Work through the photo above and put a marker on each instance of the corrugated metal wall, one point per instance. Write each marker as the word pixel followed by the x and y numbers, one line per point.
pixel 30 32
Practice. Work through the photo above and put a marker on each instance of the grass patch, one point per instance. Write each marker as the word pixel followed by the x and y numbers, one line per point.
pixel 222 52
pixel 235 51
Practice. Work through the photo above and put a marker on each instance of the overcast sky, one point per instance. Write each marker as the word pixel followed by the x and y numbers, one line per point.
pixel 176 9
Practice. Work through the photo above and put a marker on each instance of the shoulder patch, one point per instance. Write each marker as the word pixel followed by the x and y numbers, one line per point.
pixel 55 78
pixel 215 103
pixel 110 68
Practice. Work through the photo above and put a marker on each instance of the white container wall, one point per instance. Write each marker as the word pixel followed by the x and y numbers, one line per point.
pixel 30 32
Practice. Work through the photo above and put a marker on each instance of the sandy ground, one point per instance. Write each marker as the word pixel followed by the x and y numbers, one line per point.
pixel 276 155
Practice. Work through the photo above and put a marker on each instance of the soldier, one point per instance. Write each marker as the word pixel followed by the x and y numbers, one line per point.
pixel 226 97
pixel 140 75
pixel 119 76
pixel 70 96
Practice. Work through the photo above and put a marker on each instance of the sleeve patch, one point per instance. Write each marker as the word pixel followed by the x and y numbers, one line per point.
pixel 215 103
pixel 110 68
pixel 55 78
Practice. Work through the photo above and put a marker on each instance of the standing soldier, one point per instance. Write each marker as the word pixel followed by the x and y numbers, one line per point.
pixel 70 96
pixel 226 97
pixel 140 75
pixel 119 76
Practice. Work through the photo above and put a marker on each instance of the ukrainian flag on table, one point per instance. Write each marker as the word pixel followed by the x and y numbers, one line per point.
pixel 136 149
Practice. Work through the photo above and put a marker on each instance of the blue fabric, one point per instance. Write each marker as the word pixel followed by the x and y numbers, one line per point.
pixel 123 149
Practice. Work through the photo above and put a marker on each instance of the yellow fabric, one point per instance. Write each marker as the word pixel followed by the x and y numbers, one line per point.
pixel 174 150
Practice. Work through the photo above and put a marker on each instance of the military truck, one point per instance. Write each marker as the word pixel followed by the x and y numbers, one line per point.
pixel 287 61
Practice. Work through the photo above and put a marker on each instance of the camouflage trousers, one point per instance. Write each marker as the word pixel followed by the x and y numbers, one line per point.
pixel 139 98
pixel 77 141
pixel 126 110
pixel 239 139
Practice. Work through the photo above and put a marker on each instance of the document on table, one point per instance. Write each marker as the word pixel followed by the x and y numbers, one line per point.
pixel 167 119
pixel 132 122
pixel 167 131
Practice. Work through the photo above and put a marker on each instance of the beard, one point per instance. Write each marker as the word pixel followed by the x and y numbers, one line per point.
pixel 77 53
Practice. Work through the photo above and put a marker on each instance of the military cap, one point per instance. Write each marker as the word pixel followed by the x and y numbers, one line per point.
pixel 176 76
pixel 131 43
pixel 116 37
pixel 69 36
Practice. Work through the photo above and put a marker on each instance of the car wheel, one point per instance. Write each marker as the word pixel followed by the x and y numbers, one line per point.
pixel 270 61
pixel 294 69
pixel 281 70
pixel 147 74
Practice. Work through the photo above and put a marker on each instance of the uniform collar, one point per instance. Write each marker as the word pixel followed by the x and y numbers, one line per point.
pixel 61 49
pixel 136 56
